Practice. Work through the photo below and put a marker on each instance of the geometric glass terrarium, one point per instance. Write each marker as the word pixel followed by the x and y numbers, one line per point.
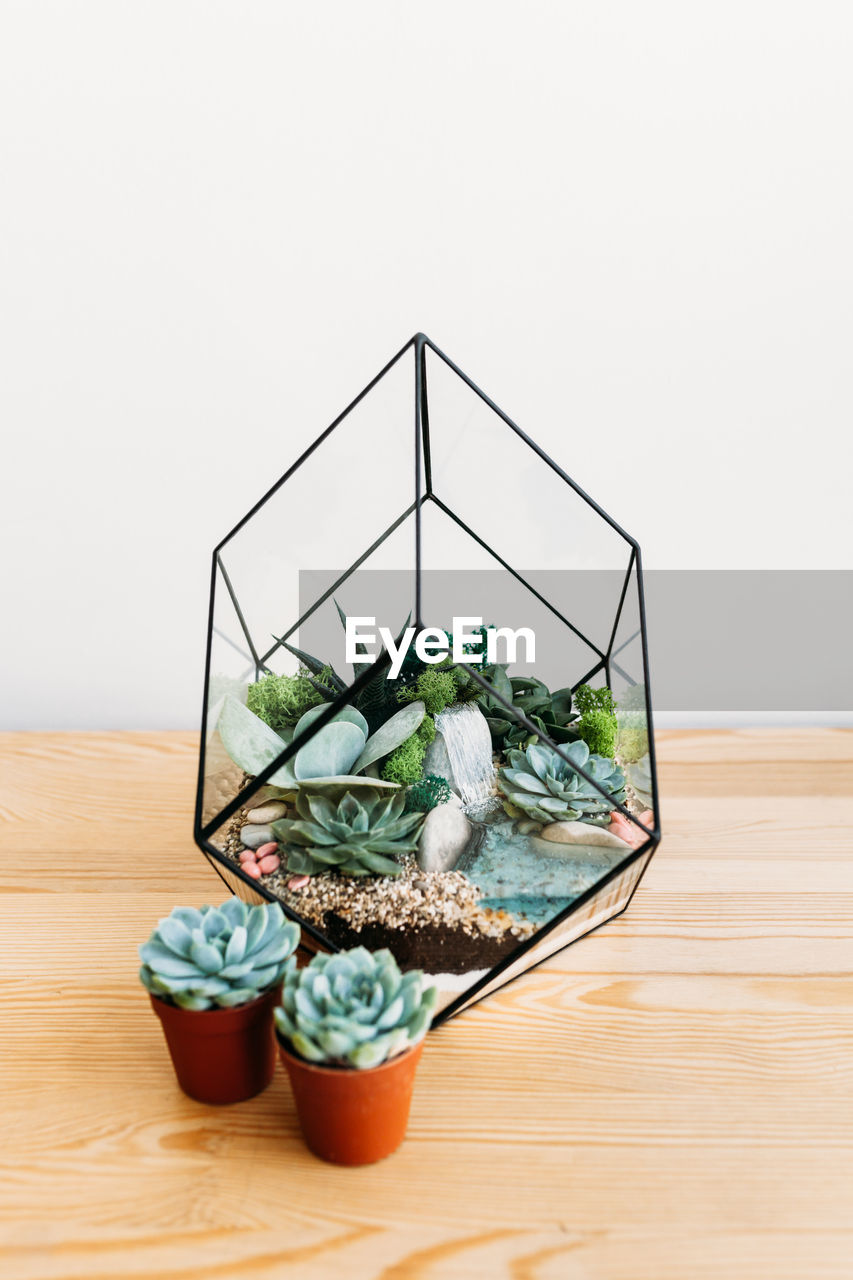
pixel 426 720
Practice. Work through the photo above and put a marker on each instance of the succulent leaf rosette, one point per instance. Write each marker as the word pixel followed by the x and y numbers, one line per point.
pixel 217 957
pixel 353 1009
pixel 358 833
pixel 540 785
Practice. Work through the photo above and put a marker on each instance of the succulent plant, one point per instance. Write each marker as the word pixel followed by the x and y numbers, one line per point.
pixel 353 1009
pixel 359 833
pixel 427 794
pixel 542 786
pixel 638 774
pixel 217 956
pixel 339 751
pixel 551 713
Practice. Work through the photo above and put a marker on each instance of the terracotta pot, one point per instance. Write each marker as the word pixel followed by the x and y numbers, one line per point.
pixel 221 1055
pixel 349 1116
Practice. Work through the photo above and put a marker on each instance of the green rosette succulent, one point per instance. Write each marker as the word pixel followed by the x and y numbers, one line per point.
pixel 358 833
pixel 639 776
pixel 541 786
pixel 353 1009
pixel 551 713
pixel 217 957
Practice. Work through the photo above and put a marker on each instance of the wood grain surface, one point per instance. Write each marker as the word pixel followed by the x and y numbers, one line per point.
pixel 669 1098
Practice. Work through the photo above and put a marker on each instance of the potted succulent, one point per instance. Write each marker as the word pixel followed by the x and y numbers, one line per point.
pixel 214 975
pixel 350 1031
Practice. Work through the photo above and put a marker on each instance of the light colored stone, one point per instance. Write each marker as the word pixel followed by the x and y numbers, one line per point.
pixel 254 836
pixel 443 839
pixel 267 813
pixel 581 833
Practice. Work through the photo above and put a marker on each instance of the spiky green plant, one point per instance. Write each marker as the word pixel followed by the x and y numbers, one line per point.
pixel 353 1009
pixel 217 956
pixel 427 793
pixel 359 834
pixel 539 785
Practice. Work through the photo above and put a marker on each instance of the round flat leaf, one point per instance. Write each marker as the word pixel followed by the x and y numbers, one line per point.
pixel 332 750
pixel 350 714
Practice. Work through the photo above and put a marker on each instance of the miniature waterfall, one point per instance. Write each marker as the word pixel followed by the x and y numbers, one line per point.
pixel 469 748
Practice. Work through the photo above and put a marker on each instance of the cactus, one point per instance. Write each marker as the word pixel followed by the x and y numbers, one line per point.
pixel 540 785
pixel 353 1009
pixel 217 956
pixel 354 832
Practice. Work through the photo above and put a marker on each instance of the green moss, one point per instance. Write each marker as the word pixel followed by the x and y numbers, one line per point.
pixel 280 700
pixel 404 764
pixel 427 793
pixel 632 744
pixel 588 699
pixel 426 730
pixel 435 687
pixel 598 730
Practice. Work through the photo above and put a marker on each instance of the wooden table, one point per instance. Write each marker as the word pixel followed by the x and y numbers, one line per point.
pixel 669 1098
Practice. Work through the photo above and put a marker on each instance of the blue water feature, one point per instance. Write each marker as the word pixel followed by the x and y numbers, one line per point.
pixel 529 877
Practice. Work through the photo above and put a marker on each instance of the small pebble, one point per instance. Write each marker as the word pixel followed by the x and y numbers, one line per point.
pixel 252 869
pixel 248 855
pixel 270 812
pixel 254 836
pixel 266 849
pixel 298 882
pixel 420 884
pixel 270 863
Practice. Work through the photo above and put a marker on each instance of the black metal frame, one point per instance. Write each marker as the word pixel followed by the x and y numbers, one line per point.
pixel 424 493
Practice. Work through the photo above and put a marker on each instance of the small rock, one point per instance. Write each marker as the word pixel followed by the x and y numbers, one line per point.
pixel 298 882
pixel 254 836
pixel 248 855
pixel 420 884
pixel 444 836
pixel 252 869
pixel 262 852
pixel 582 833
pixel 270 863
pixel 270 812
pixel 627 831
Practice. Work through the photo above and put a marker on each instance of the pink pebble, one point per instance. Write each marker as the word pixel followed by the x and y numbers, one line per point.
pixel 271 862
pixel 248 855
pixel 647 818
pixel 266 849
pixel 252 869
pixel 298 882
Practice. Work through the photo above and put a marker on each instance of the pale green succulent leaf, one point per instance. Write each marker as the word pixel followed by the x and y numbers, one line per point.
pixel 391 734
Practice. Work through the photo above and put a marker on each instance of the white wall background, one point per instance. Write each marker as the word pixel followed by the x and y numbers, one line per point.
pixel 630 223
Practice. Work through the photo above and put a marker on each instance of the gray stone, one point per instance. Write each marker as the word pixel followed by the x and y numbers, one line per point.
pixel 444 837
pixel 253 835
pixel 581 833
pixel 265 813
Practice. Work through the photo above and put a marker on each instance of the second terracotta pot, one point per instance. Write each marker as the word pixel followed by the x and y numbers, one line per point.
pixel 221 1055
pixel 348 1116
